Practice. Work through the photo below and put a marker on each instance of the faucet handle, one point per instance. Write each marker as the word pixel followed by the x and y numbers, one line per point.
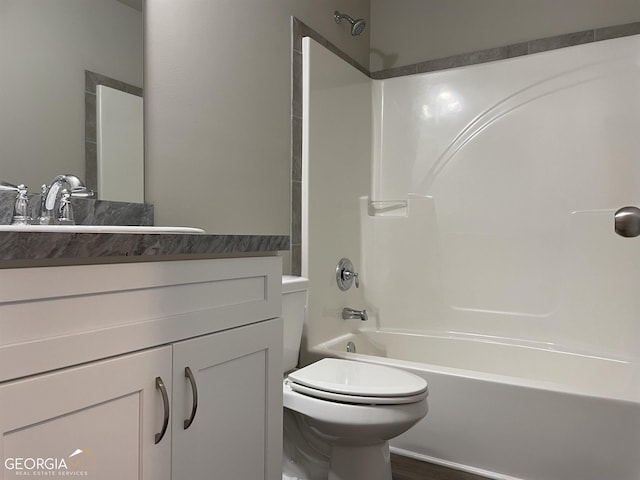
pixel 22 207
pixel 65 211
pixel 348 275
pixel 345 275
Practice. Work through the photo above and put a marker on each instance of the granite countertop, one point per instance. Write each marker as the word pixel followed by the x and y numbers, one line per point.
pixel 25 249
pixel 38 248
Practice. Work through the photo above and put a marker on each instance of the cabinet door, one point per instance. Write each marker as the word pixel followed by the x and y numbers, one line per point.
pixel 97 421
pixel 236 433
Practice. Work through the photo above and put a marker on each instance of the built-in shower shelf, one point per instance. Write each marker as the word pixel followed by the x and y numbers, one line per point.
pixel 388 208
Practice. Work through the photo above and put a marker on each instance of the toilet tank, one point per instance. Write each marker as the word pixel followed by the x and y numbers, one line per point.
pixel 294 313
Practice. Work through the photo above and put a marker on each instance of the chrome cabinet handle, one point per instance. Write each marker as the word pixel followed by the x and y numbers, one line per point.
pixel 194 390
pixel 165 400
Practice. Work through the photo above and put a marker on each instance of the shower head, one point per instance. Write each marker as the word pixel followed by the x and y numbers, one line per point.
pixel 357 26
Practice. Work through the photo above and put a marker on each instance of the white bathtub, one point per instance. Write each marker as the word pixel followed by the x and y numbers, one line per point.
pixel 510 411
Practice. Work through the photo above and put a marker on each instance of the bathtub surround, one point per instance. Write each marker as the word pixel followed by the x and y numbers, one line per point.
pixel 499 181
pixel 299 30
pixel 335 174
pixel 544 134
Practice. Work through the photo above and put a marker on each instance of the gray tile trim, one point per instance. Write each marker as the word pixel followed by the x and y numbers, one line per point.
pixel 473 58
pixel 561 41
pixel 296 149
pixel 395 72
pixel 91 163
pixel 90 125
pixel 300 30
pixel 296 260
pixel 618 31
pixel 91 81
pixel 510 51
pixel 296 213
pixel 296 84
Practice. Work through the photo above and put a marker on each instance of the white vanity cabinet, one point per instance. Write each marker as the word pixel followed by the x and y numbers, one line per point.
pixel 91 367
pixel 100 419
pixel 238 413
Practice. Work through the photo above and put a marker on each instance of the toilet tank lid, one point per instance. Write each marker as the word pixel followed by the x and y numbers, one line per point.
pixel 291 283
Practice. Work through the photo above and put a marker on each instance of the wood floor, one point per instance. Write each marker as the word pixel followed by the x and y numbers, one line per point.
pixel 404 468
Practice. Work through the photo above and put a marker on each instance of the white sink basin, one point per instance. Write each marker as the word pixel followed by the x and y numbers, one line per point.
pixel 99 229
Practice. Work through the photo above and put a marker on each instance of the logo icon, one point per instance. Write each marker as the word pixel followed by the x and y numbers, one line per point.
pixel 82 459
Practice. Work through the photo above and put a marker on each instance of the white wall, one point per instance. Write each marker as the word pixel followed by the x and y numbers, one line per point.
pixel 336 170
pixel 218 108
pixel 411 31
pixel 521 165
pixel 45 47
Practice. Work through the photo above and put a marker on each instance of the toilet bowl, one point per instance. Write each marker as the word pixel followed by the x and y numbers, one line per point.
pixel 340 414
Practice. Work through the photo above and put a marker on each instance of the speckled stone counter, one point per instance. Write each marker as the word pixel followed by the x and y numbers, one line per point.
pixel 35 248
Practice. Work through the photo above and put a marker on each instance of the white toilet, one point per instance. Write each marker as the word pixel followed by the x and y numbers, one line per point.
pixel 340 414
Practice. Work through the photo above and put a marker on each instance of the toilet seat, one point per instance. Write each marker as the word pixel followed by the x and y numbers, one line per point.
pixel 348 381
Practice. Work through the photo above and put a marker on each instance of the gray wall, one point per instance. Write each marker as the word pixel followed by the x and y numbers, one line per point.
pixel 218 108
pixel 404 32
pixel 45 47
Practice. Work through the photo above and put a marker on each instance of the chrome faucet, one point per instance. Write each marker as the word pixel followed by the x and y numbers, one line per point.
pixel 348 313
pixel 49 195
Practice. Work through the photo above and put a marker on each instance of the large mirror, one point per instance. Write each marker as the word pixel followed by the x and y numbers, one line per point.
pixel 46 48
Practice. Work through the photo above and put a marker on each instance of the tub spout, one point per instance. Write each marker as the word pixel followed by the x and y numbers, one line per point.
pixel 348 313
